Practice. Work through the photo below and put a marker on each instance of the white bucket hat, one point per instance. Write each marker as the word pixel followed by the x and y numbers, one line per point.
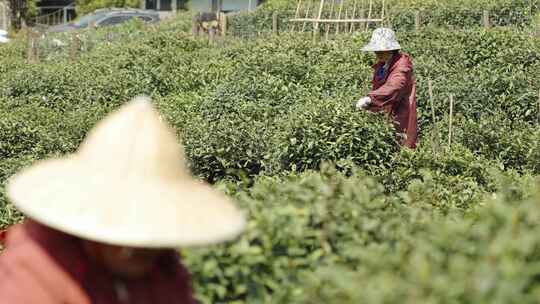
pixel 126 185
pixel 382 39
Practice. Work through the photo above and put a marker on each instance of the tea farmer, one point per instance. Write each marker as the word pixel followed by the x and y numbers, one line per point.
pixel 103 223
pixel 393 86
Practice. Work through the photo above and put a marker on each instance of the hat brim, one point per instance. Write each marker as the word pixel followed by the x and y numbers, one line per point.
pixel 378 48
pixel 124 211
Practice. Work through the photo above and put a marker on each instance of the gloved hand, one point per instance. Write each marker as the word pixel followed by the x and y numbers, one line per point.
pixel 363 103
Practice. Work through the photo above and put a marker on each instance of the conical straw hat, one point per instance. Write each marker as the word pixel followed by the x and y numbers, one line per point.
pixel 126 185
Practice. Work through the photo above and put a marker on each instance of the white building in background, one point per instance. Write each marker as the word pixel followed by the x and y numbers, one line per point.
pixel 202 5
pixel 224 5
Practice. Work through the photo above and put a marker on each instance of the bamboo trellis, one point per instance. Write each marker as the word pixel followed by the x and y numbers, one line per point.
pixel 338 16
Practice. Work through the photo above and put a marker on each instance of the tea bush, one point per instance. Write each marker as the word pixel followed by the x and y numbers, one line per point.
pixel 309 235
pixel 399 14
pixel 462 14
pixel 290 107
pixel 482 258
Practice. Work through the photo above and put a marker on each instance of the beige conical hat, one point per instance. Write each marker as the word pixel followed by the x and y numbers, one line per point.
pixel 126 185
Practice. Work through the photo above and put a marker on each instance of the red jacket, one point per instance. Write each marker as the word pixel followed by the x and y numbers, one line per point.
pixel 44 266
pixel 395 94
pixel 3 234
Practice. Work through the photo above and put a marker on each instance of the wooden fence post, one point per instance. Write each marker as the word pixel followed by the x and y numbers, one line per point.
pixel 31 46
pixel 195 25
pixel 223 23
pixel 3 16
pixel 75 44
pixel 451 120
pixel 538 107
pixel 435 138
pixel 486 20
pixel 275 24
pixel 28 46
pixel 537 27
pixel 417 21
pixel 211 34
pixel 36 47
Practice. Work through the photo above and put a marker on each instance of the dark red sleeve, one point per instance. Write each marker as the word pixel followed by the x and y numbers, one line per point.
pixel 3 234
pixel 389 93
pixel 184 288
pixel 173 281
pixel 29 275
pixel 187 291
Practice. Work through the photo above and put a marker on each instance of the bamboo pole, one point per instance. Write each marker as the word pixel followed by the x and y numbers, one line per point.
pixel 362 17
pixel 296 13
pixel 369 13
pixel 538 106
pixel 275 24
pixel 307 14
pixel 417 21
pixel 331 16
pixel 451 120
pixel 383 10
pixel 435 127
pixel 316 24
pixel 353 17
pixel 347 24
pixel 339 17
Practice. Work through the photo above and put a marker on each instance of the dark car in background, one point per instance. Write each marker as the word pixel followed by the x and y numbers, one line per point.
pixel 107 17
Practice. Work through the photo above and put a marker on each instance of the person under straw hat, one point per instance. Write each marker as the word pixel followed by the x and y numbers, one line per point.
pixel 103 222
pixel 393 86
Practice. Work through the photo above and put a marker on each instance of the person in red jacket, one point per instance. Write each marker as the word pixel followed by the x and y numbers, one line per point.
pixel 104 223
pixel 43 265
pixel 393 86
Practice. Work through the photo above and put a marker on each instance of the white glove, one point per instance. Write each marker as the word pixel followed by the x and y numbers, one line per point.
pixel 363 103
